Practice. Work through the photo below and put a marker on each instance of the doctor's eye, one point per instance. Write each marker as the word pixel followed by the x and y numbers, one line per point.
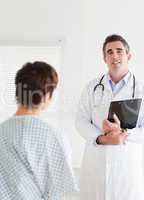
pixel 109 52
pixel 120 51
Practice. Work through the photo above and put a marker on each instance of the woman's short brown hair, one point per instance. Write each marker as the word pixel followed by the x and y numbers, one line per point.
pixel 33 81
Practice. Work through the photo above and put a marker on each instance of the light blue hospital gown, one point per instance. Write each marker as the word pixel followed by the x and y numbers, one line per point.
pixel 33 161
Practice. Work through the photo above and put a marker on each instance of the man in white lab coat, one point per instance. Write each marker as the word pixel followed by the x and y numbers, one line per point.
pixel 112 167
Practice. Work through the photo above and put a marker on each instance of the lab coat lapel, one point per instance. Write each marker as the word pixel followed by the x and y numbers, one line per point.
pixel 108 94
pixel 100 111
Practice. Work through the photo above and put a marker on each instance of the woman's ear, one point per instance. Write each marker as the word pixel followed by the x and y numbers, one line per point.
pixel 47 98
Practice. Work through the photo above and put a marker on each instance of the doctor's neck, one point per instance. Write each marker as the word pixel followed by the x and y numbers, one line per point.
pixel 116 76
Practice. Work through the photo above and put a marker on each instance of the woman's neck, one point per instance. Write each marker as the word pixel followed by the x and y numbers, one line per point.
pixel 27 111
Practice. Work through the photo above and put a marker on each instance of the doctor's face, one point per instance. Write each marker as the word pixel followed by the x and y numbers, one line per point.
pixel 116 56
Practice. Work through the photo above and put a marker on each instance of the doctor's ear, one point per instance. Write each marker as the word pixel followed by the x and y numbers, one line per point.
pixel 129 56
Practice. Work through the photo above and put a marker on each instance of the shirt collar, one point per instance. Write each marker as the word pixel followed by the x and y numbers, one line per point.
pixel 125 79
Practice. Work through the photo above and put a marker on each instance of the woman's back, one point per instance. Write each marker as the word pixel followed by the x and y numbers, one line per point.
pixel 33 162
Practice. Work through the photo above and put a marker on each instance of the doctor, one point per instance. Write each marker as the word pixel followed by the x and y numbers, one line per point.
pixel 112 166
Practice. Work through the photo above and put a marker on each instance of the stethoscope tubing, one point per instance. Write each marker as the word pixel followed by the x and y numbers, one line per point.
pixel 102 85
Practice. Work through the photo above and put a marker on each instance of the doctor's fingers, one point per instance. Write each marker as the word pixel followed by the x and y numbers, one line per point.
pixel 115 139
pixel 124 136
pixel 116 119
pixel 106 126
pixel 120 138
pixel 114 132
pixel 109 126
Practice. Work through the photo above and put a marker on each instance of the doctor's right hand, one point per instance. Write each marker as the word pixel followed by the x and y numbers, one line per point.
pixel 113 138
pixel 113 134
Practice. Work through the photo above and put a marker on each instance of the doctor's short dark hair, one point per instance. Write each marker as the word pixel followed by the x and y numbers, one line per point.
pixel 33 81
pixel 115 38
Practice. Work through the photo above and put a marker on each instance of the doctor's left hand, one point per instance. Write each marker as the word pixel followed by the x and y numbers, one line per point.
pixel 111 126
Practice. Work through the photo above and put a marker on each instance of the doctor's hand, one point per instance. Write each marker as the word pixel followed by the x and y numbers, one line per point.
pixel 113 138
pixel 111 126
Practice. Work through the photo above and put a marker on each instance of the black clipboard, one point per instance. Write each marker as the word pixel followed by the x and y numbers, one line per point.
pixel 127 112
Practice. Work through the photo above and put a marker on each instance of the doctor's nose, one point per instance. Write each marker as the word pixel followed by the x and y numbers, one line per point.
pixel 115 55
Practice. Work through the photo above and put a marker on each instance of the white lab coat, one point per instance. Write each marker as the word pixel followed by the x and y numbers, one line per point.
pixel 110 172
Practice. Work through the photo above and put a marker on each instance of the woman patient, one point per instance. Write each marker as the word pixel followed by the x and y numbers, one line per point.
pixel 33 161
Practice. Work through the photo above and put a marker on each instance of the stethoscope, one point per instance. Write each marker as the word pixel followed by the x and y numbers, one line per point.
pixel 100 84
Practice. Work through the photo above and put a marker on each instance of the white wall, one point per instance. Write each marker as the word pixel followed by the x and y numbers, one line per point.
pixel 82 25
